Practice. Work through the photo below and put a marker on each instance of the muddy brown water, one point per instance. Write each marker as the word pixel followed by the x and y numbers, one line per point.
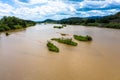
pixel 24 55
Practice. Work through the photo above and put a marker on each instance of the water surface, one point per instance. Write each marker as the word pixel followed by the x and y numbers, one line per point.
pixel 24 55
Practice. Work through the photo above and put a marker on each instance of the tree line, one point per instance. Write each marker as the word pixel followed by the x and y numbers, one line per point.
pixel 111 21
pixel 11 23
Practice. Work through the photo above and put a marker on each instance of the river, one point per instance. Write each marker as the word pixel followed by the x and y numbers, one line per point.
pixel 24 55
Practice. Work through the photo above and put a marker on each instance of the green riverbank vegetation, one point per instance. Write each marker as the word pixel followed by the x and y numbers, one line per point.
pixel 11 23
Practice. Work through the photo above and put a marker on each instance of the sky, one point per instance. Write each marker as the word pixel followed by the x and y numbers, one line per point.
pixel 38 10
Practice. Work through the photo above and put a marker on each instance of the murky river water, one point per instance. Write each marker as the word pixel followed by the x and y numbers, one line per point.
pixel 24 55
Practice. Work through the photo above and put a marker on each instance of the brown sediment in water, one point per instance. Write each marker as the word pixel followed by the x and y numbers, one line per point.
pixel 23 58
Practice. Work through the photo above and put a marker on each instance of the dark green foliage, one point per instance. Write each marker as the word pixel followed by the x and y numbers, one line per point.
pixel 82 38
pixel 111 21
pixel 4 27
pixel 52 47
pixel 9 23
pixel 63 34
pixel 103 20
pixel 48 21
pixel 17 27
pixel 73 20
pixel 112 25
pixel 65 41
pixel 89 21
pixel 92 24
pixel 59 27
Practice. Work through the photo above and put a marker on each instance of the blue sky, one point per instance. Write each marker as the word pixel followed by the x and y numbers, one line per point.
pixel 38 10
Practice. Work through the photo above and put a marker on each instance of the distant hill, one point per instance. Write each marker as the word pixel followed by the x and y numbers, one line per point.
pixel 48 21
pixel 111 21
pixel 76 19
pixel 111 18
pixel 95 17
pixel 72 20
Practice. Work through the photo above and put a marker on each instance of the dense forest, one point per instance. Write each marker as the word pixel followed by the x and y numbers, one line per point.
pixel 111 21
pixel 10 23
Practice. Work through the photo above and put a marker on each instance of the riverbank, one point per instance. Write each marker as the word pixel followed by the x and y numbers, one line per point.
pixel 13 23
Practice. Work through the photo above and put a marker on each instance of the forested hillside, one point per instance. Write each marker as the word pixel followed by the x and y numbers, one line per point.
pixel 111 21
pixel 10 23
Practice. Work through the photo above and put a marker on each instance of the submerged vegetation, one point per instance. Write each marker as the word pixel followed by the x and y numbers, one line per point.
pixel 65 41
pixel 52 47
pixel 11 23
pixel 82 38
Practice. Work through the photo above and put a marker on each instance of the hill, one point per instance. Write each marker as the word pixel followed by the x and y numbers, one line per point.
pixel 48 21
pixel 111 21
pixel 10 23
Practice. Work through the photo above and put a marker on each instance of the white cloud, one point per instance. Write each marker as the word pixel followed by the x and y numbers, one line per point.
pixel 56 9
pixel 51 8
pixel 5 9
pixel 98 3
pixel 92 4
pixel 96 13
pixel 101 12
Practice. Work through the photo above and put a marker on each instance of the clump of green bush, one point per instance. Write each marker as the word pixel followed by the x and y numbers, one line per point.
pixel 52 47
pixel 62 34
pixel 4 27
pixel 59 27
pixel 82 38
pixel 65 41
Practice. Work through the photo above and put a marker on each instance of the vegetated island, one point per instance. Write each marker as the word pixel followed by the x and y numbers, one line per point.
pixel 12 23
pixel 59 27
pixel 52 47
pixel 65 41
pixel 63 34
pixel 82 38
pixel 111 21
